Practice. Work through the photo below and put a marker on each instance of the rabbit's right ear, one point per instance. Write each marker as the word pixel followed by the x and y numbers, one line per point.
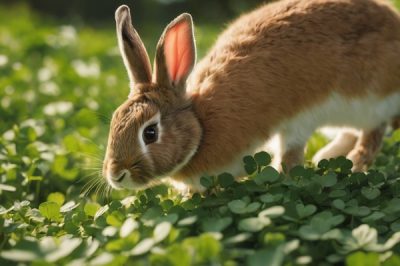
pixel 132 49
pixel 176 53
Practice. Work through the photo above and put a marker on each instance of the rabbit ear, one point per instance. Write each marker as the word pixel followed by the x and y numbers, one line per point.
pixel 132 49
pixel 176 53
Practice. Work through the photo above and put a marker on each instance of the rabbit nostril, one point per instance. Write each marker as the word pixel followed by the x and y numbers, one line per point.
pixel 120 177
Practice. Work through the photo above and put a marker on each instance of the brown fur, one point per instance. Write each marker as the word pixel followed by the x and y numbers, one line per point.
pixel 132 48
pixel 308 50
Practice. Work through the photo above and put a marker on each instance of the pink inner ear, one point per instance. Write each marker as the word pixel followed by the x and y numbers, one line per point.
pixel 178 50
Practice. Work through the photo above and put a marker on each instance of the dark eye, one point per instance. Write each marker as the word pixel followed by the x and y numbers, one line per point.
pixel 150 134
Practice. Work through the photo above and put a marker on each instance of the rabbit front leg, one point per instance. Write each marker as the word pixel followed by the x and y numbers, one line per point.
pixel 366 148
pixel 292 157
pixel 291 150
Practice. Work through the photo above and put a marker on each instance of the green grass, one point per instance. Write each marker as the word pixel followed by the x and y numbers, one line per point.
pixel 58 86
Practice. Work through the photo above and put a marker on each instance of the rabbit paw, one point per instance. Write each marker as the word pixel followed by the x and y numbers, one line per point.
pixel 360 160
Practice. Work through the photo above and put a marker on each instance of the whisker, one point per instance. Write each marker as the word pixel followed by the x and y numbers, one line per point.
pixel 98 191
pixel 91 185
pixel 98 186
pixel 89 176
pixel 98 147
pixel 101 116
pixel 90 156
pixel 109 191
pixel 92 168
pixel 93 188
pixel 88 186
pixel 88 179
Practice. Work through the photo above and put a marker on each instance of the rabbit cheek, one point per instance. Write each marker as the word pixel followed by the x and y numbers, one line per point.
pixel 142 173
pixel 180 140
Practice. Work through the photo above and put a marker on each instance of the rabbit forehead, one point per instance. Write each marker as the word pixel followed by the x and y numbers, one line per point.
pixel 134 113
pixel 128 120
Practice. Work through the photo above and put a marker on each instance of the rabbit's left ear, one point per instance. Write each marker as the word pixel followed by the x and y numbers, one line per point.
pixel 132 49
pixel 176 53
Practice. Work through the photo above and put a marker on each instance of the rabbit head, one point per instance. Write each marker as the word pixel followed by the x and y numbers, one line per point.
pixel 154 132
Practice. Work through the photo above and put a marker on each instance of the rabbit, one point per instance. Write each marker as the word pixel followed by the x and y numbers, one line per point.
pixel 286 68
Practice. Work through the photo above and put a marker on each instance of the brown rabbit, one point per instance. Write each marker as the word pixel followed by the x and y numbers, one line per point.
pixel 286 68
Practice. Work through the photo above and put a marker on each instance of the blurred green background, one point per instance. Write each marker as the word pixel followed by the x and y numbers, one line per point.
pixel 147 10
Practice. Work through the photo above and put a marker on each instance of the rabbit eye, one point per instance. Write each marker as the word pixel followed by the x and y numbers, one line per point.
pixel 150 134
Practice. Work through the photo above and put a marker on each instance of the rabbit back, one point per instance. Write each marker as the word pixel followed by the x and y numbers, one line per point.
pixel 294 63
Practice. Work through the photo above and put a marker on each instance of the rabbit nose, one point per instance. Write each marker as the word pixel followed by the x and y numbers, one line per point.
pixel 120 176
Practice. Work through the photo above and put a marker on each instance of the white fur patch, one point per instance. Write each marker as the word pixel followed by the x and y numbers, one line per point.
pixel 340 111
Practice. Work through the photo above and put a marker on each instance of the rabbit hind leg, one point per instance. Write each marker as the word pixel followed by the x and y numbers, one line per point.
pixel 341 145
pixel 366 148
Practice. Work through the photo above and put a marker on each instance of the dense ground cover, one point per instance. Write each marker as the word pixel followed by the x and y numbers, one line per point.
pixel 58 86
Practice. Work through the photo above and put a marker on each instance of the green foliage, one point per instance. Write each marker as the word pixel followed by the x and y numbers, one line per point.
pixel 60 83
pixel 278 220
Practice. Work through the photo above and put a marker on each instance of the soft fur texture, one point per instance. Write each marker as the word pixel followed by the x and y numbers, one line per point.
pixel 286 68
